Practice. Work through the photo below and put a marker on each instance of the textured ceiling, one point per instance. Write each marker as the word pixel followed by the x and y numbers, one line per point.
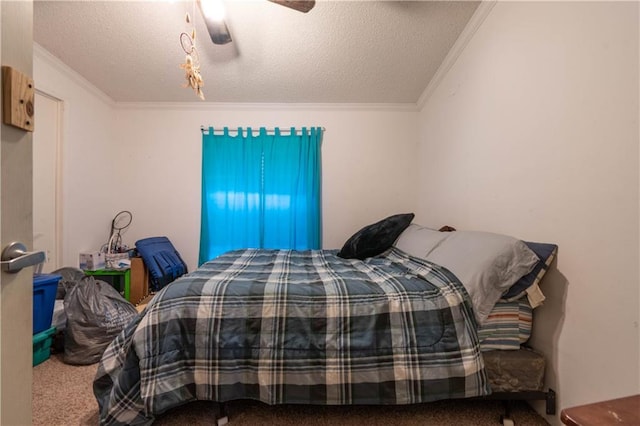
pixel 339 52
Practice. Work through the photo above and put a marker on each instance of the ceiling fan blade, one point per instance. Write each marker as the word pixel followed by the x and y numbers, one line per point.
pixel 300 5
pixel 218 31
pixel 217 28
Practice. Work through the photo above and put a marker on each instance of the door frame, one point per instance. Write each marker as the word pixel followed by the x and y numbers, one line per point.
pixel 58 172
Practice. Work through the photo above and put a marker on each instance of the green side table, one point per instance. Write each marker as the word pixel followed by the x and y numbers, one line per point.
pixel 115 277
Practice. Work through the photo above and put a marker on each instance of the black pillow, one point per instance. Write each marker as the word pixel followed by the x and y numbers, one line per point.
pixel 375 238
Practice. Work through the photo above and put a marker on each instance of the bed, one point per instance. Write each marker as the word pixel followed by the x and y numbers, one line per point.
pixel 349 326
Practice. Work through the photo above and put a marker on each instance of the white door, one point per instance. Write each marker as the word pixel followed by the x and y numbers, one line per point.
pixel 46 181
pixel 16 289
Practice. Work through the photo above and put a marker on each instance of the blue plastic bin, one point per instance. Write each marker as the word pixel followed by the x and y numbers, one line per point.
pixel 45 287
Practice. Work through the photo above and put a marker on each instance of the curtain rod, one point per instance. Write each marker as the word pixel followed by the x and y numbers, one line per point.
pixel 270 130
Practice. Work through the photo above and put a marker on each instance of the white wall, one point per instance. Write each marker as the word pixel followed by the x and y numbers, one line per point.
pixel 367 152
pixel 87 155
pixel 533 132
pixel 145 158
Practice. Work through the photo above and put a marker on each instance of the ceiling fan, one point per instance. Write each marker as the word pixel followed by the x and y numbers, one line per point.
pixel 213 14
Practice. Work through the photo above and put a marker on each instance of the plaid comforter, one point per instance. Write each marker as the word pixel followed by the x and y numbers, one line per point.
pixel 304 327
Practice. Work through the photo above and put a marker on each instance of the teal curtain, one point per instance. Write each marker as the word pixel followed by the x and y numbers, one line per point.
pixel 260 190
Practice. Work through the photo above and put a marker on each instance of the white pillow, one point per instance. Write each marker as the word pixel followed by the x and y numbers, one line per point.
pixel 419 241
pixel 486 264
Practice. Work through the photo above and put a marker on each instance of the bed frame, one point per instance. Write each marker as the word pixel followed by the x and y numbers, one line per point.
pixel 516 376
pixel 508 398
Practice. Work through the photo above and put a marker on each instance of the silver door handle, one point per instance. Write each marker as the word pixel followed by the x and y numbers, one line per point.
pixel 15 257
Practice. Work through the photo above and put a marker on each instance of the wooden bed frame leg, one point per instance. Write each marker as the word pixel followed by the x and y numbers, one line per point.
pixel 223 417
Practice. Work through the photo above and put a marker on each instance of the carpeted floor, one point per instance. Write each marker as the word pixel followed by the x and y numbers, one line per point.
pixel 62 395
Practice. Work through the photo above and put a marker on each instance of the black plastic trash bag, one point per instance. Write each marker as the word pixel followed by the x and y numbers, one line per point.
pixel 70 277
pixel 96 313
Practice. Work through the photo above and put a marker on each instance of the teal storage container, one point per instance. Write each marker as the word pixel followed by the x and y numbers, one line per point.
pixel 45 287
pixel 42 345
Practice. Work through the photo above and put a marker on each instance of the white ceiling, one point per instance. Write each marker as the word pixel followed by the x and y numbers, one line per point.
pixel 339 52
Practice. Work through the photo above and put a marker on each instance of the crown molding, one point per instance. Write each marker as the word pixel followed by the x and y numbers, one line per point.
pixel 244 106
pixel 44 55
pixel 476 20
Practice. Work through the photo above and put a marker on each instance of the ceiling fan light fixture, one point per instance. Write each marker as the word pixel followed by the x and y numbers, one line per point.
pixel 213 14
pixel 213 10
